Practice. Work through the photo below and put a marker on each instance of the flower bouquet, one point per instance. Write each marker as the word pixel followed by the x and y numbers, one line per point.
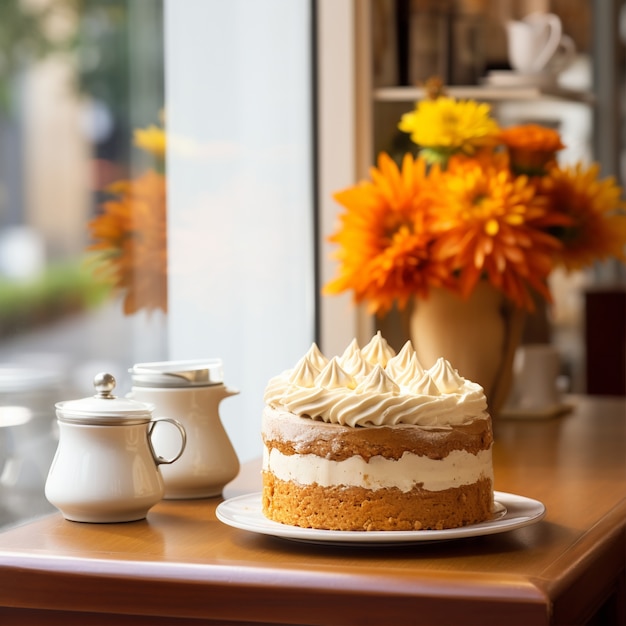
pixel 477 202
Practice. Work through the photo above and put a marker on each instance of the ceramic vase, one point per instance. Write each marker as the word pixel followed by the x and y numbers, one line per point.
pixel 478 336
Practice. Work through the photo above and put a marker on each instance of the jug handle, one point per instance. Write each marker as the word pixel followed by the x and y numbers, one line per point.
pixel 159 460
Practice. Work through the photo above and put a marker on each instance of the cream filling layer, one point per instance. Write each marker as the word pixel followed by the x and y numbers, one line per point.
pixel 411 470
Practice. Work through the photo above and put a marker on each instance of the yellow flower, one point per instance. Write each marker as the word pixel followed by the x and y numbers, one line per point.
pixel 384 237
pixel 151 139
pixel 445 126
pixel 130 235
pixel 597 215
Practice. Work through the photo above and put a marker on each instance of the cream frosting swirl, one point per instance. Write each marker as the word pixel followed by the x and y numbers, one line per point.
pixel 374 386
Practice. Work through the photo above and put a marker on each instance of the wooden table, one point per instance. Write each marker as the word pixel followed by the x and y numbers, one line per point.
pixel 183 566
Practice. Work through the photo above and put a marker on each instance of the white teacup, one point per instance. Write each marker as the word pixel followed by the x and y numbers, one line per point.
pixel 536 369
pixel 537 44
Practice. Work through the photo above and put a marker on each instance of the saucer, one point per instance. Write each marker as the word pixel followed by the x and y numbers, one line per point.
pixel 510 78
pixel 539 413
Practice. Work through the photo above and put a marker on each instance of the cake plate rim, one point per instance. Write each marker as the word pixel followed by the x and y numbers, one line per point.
pixel 512 512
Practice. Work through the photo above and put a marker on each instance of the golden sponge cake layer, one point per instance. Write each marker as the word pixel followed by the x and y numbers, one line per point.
pixel 356 508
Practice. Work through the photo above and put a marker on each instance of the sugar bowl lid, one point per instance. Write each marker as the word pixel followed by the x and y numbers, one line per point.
pixel 104 408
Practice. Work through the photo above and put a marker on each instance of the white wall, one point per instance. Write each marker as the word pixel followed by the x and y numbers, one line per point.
pixel 338 135
pixel 239 121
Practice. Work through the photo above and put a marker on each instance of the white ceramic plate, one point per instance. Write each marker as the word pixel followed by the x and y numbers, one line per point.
pixel 510 512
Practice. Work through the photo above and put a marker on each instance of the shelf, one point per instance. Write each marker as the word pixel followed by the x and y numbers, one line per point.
pixel 492 93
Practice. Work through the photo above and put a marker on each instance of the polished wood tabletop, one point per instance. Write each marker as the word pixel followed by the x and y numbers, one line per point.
pixel 183 566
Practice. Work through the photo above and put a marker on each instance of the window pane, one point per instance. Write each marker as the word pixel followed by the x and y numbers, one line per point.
pixel 240 212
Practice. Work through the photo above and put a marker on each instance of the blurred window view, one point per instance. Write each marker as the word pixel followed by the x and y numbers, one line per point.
pixel 77 79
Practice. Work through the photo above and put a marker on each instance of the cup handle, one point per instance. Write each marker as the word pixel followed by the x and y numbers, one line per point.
pixel 555 30
pixel 159 460
pixel 567 54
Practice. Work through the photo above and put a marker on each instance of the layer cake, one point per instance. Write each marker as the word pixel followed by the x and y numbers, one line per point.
pixel 372 441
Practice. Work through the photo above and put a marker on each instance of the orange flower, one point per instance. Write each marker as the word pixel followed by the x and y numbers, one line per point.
pixel 532 137
pixel 487 225
pixel 596 229
pixel 384 237
pixel 532 148
pixel 131 236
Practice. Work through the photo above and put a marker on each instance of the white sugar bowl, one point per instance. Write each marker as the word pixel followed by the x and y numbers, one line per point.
pixel 105 468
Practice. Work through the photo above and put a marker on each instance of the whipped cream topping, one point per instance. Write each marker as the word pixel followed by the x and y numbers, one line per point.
pixel 374 386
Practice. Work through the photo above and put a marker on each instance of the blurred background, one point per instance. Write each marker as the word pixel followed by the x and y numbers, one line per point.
pixel 77 77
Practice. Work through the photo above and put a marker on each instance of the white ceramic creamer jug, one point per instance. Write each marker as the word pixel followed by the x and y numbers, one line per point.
pixel 190 391
pixel 105 468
